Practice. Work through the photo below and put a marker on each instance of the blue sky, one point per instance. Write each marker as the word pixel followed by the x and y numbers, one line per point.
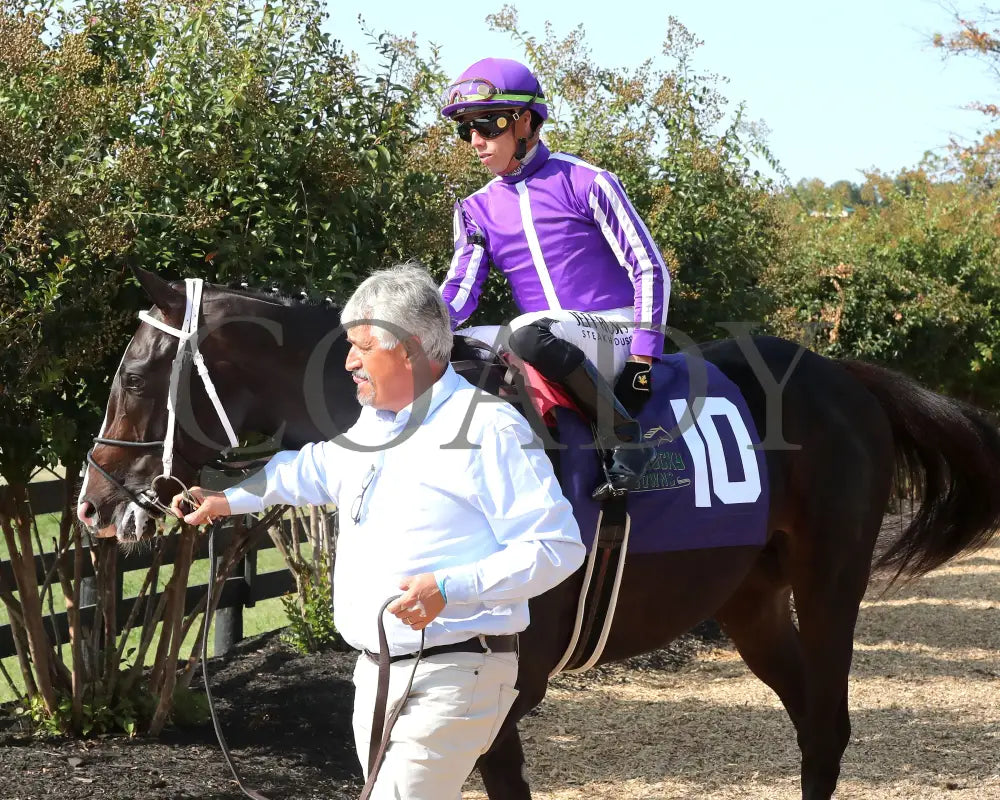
pixel 842 86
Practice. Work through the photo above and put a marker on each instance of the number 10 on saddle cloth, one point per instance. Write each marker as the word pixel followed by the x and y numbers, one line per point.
pixel 706 485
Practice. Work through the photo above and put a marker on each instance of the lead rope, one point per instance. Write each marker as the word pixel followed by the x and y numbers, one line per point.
pixel 267 519
pixel 379 742
pixel 381 725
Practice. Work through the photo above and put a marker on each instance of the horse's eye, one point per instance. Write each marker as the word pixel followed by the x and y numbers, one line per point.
pixel 133 382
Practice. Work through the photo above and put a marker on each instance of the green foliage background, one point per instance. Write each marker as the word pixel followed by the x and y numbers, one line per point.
pixel 238 142
pixel 907 277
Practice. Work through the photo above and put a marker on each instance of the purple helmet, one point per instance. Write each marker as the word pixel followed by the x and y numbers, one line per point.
pixel 494 83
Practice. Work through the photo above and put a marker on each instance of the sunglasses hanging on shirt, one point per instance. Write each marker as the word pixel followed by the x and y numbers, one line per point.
pixel 489 126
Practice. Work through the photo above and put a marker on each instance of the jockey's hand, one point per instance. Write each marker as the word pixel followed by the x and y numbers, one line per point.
pixel 635 385
pixel 420 602
pixel 209 506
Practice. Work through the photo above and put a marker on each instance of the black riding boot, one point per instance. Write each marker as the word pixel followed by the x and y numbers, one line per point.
pixel 595 398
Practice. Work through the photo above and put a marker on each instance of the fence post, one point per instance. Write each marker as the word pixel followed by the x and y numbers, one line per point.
pixel 229 621
pixel 88 599
pixel 249 573
pixel 88 592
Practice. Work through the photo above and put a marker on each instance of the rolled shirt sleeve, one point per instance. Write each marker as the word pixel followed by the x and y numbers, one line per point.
pixel 636 251
pixel 469 268
pixel 309 476
pixel 531 520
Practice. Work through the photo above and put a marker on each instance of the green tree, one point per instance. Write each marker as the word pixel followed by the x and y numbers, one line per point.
pixel 223 140
pixel 910 282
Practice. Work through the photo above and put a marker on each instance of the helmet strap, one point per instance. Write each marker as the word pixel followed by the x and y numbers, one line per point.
pixel 522 143
pixel 521 150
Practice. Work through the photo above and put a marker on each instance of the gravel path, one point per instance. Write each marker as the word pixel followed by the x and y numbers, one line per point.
pixel 688 722
pixel 925 708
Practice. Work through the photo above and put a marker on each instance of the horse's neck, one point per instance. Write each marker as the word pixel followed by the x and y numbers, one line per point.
pixel 295 385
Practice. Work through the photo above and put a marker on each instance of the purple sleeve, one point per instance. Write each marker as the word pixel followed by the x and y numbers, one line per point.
pixel 469 267
pixel 637 252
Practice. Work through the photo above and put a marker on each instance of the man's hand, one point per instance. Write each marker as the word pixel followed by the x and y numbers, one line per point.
pixel 210 505
pixel 420 603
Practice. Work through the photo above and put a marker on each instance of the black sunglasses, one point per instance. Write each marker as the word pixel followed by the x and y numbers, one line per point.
pixel 489 127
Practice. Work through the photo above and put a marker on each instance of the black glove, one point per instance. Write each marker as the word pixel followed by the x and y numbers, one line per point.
pixel 634 386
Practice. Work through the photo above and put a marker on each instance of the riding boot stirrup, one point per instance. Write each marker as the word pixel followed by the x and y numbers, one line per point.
pixel 628 458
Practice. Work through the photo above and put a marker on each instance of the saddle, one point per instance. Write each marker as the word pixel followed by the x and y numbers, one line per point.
pixel 497 374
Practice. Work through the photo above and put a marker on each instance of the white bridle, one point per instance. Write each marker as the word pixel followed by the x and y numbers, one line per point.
pixel 187 336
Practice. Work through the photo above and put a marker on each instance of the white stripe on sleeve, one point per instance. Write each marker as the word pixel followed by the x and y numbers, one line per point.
pixel 528 223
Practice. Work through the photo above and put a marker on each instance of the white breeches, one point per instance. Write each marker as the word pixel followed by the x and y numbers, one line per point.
pixel 604 336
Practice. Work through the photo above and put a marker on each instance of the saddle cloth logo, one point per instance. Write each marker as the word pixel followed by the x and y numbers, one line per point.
pixel 667 468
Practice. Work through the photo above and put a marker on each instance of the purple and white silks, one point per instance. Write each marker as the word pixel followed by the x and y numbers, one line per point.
pixel 567 238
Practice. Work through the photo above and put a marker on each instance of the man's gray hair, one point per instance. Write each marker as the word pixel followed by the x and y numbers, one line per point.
pixel 407 302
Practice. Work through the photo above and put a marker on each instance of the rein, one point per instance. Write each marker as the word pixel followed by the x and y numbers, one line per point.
pixel 381 725
pixel 263 522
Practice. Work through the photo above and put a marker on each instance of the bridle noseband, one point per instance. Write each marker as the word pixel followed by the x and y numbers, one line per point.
pixel 187 336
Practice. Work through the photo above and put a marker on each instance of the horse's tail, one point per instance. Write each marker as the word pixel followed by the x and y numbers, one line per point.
pixel 948 454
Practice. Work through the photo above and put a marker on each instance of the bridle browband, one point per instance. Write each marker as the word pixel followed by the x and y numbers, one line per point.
pixel 187 336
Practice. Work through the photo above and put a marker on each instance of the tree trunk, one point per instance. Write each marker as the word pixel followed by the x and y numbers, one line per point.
pixel 22 562
pixel 175 619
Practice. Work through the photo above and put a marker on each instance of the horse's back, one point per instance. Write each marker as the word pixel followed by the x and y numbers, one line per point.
pixel 815 418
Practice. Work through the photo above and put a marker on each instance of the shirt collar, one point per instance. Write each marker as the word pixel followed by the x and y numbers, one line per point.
pixel 533 162
pixel 440 391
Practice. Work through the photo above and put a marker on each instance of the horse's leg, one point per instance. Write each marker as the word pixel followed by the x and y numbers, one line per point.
pixel 827 598
pixel 502 768
pixel 758 619
pixel 808 666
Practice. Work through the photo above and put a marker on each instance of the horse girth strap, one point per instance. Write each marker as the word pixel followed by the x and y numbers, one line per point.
pixel 600 593
pixel 381 725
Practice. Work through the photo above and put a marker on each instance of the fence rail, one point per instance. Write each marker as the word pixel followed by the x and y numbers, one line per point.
pixel 241 590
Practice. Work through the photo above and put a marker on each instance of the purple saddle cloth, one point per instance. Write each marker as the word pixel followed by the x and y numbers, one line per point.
pixel 706 485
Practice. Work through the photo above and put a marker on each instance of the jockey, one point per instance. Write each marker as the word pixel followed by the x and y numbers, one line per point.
pixel 585 273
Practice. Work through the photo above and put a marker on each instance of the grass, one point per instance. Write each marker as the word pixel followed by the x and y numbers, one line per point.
pixel 266 615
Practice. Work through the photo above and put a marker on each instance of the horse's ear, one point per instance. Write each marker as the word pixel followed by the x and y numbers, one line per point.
pixel 164 296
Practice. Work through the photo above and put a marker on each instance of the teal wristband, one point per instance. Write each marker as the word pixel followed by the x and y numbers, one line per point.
pixel 440 585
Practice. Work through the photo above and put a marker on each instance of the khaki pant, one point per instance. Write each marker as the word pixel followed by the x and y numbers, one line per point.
pixel 453 712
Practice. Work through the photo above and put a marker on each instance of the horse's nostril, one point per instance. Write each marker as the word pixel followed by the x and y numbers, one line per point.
pixel 86 512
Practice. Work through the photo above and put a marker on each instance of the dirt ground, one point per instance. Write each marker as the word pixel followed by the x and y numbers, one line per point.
pixel 690 722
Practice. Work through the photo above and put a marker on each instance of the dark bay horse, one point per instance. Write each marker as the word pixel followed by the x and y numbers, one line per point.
pixel 859 430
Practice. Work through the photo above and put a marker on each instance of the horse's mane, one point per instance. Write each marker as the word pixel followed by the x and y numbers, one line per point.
pixel 267 296
pixel 277 298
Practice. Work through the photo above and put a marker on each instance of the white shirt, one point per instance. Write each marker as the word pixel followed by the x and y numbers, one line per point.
pixel 490 522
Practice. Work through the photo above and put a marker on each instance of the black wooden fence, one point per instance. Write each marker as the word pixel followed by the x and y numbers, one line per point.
pixel 241 590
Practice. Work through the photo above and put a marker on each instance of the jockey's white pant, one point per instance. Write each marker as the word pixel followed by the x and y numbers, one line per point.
pixel 604 336
pixel 452 715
